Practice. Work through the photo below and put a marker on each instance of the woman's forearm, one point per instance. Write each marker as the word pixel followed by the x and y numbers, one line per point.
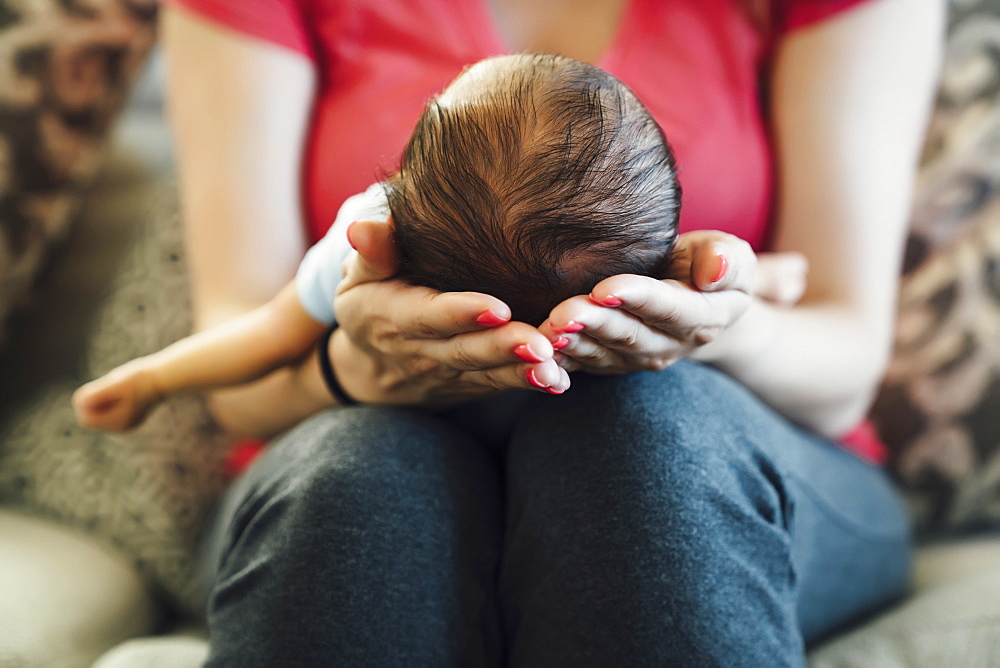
pixel 776 351
pixel 850 102
pixel 239 176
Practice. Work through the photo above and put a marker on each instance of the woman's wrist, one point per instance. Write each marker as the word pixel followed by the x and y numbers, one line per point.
pixel 327 371
pixel 350 367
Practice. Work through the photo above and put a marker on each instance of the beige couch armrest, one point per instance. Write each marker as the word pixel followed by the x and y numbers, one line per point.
pixel 64 598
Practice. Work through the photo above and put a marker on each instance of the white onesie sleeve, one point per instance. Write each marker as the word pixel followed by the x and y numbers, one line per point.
pixel 319 272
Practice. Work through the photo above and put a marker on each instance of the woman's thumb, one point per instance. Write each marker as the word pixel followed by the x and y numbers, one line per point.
pixel 377 253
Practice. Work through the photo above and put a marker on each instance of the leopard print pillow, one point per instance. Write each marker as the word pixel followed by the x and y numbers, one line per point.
pixel 65 68
pixel 939 408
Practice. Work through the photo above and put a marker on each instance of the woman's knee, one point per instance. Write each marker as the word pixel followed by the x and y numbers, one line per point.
pixel 666 425
pixel 652 466
pixel 654 485
pixel 361 524
pixel 650 458
pixel 365 467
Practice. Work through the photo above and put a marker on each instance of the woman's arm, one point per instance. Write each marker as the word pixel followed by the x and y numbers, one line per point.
pixel 851 97
pixel 239 109
pixel 850 103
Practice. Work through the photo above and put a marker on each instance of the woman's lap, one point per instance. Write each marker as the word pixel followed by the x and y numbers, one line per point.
pixel 366 536
pixel 653 516
pixel 705 526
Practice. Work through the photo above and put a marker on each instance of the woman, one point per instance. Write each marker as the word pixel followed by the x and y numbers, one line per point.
pixel 655 513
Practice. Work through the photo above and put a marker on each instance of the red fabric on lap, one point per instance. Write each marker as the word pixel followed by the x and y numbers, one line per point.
pixel 865 442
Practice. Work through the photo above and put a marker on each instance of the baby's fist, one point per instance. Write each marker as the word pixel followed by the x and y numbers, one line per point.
pixel 116 401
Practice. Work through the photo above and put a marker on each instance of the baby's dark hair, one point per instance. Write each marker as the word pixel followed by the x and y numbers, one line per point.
pixel 533 183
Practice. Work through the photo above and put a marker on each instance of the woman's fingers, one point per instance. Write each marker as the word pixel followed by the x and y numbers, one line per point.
pixel 375 242
pixel 547 377
pixel 591 353
pixel 429 347
pixel 599 337
pixel 446 314
pixel 414 312
pixel 375 257
pixel 648 325
pixel 668 305
pixel 429 372
pixel 712 261
pixel 722 262
pixel 487 349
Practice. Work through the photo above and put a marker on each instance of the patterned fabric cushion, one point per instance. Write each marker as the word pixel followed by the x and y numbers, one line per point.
pixel 145 492
pixel 939 410
pixel 65 66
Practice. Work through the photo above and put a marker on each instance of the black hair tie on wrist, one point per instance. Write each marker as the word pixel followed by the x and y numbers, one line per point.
pixel 329 377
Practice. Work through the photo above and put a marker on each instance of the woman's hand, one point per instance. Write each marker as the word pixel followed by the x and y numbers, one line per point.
pixel 400 344
pixel 636 323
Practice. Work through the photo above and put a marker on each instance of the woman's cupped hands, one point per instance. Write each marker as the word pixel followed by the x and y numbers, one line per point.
pixel 409 345
pixel 636 323
pixel 403 344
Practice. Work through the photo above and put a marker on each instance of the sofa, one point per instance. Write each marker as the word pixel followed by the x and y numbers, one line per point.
pixel 97 532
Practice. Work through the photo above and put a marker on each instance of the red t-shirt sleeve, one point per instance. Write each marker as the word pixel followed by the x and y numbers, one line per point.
pixel 795 14
pixel 279 21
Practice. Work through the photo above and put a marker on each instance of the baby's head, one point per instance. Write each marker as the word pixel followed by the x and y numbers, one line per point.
pixel 532 178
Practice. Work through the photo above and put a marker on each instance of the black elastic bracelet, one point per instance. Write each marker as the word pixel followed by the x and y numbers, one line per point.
pixel 329 377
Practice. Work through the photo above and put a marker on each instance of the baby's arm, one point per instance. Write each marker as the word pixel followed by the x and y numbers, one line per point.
pixel 235 352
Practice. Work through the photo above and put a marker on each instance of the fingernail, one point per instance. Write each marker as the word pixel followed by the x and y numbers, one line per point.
pixel 560 343
pixel 533 379
pixel 723 268
pixel 552 390
pixel 571 326
pixel 490 319
pixel 347 232
pixel 610 300
pixel 526 354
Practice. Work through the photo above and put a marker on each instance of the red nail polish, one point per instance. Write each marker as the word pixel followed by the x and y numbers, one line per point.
pixel 560 343
pixel 610 300
pixel 490 319
pixel 526 354
pixel 552 390
pixel 533 379
pixel 571 326
pixel 723 268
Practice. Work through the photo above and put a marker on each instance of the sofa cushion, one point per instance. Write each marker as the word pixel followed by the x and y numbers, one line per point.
pixel 174 651
pixel 66 598
pixel 950 625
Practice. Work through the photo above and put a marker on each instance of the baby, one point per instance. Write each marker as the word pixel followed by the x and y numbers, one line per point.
pixel 530 178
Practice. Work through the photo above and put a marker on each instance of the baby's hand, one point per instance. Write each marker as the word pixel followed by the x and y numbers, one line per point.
pixel 781 277
pixel 118 400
